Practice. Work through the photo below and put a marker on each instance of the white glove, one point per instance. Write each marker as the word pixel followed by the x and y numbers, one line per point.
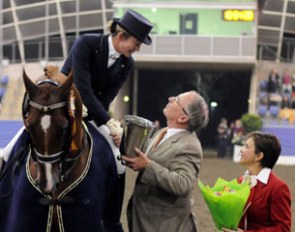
pixel 104 130
pixel 84 111
pixel 114 126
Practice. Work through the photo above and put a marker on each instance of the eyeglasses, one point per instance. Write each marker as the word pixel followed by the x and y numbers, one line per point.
pixel 178 103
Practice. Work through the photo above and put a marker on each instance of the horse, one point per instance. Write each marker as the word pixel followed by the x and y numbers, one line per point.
pixel 57 178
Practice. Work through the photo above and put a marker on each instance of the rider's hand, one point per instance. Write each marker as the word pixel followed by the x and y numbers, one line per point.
pixel 116 139
pixel 116 131
pixel 114 127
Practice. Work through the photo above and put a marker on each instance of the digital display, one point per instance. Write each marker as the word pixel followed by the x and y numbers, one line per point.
pixel 233 15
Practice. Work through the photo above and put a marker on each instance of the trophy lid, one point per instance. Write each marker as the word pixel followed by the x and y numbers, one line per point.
pixel 139 121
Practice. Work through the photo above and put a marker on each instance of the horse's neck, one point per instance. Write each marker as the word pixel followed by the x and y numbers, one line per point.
pixel 77 166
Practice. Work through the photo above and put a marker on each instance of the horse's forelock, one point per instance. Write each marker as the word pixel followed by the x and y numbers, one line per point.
pixel 50 70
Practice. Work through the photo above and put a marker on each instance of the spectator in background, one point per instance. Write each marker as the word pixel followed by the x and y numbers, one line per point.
pixel 293 102
pixel 286 103
pixel 287 83
pixel 293 82
pixel 237 134
pixel 273 84
pixel 223 134
pixel 157 126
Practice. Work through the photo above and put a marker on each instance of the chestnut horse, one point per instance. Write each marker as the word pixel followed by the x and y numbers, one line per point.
pixel 57 178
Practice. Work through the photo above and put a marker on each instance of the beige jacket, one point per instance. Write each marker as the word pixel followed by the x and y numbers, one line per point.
pixel 162 199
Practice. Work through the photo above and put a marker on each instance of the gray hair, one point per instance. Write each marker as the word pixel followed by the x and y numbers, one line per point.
pixel 198 113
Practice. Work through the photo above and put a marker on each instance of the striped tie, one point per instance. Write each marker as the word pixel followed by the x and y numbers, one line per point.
pixel 159 138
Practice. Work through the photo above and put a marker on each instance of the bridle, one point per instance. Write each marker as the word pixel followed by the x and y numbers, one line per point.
pixel 58 156
pixel 49 108
pixel 41 158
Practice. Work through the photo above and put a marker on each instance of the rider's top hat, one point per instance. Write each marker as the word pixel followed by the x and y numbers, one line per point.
pixel 136 25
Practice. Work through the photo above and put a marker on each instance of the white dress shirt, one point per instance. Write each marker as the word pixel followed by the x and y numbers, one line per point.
pixel 113 54
pixel 262 176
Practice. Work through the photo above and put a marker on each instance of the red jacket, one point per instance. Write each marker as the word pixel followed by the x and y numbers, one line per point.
pixel 270 209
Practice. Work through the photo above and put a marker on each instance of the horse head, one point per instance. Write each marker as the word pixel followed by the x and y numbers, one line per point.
pixel 52 114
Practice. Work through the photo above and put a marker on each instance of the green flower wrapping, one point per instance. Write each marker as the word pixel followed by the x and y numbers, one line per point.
pixel 226 202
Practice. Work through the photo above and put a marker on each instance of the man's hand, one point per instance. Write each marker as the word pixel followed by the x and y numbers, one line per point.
pixel 137 163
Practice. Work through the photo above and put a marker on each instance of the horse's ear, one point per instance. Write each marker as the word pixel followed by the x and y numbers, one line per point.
pixel 67 84
pixel 71 73
pixel 29 85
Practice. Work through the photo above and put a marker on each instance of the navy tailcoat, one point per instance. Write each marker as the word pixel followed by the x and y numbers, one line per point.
pixel 97 84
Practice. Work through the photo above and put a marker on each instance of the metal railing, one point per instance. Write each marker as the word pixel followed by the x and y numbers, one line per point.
pixel 269 51
pixel 163 46
pixel 155 1
pixel 170 46
pixel 210 46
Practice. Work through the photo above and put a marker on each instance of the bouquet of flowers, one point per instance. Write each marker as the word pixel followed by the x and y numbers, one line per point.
pixel 226 201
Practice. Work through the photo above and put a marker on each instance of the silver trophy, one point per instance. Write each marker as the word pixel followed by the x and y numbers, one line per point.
pixel 136 133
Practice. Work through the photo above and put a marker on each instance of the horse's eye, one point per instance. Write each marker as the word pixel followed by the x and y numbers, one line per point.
pixel 65 129
pixel 30 122
pixel 65 124
pixel 27 124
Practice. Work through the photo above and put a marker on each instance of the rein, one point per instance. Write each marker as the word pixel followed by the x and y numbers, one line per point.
pixel 53 158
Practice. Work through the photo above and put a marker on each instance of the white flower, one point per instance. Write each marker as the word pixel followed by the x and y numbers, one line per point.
pixel 250 180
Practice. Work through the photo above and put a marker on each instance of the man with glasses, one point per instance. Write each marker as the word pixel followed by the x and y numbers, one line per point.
pixel 162 199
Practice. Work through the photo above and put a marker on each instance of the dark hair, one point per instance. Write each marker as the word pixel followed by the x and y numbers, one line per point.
pixel 269 145
pixel 198 113
pixel 115 29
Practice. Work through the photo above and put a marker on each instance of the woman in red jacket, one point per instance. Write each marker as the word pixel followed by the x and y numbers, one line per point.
pixel 269 205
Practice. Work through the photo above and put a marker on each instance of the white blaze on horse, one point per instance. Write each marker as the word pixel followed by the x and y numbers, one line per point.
pixel 57 178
